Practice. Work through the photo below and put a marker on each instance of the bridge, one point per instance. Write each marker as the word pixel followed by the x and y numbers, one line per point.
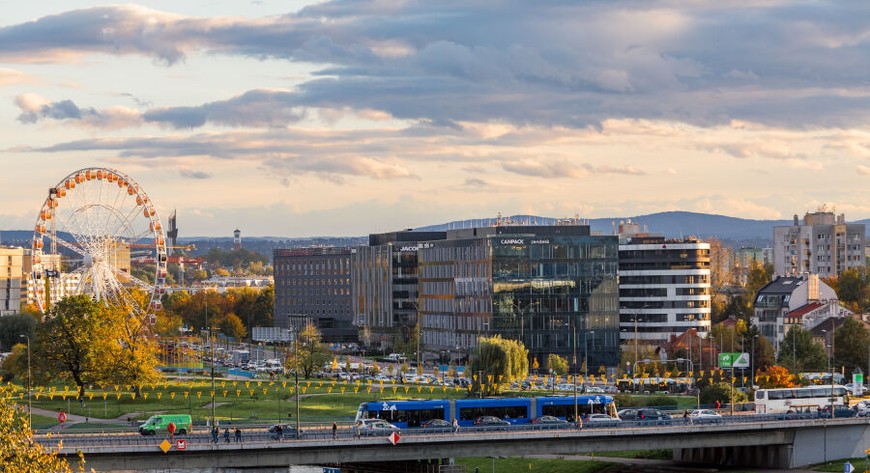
pixel 766 444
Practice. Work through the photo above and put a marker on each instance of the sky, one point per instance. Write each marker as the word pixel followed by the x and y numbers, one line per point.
pixel 350 117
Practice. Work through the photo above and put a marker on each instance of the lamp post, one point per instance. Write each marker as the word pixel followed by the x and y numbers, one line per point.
pixel 574 344
pixel 752 363
pixel 586 352
pixel 296 373
pixel 29 387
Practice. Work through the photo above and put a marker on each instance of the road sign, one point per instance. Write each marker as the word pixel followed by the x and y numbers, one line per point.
pixel 181 444
pixel 742 361
pixel 61 417
pixel 394 438
pixel 733 360
pixel 165 445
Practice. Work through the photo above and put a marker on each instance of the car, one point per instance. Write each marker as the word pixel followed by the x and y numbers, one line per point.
pixel 839 412
pixel 705 416
pixel 601 420
pixel 284 431
pixel 646 415
pixel 490 421
pixel 437 424
pixel 373 427
pixel 550 422
pixel 862 409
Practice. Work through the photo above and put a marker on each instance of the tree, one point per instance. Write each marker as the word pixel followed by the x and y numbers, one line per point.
pixel 73 340
pixel 557 364
pixel 853 289
pixel 775 377
pixel 799 352
pixel 500 362
pixel 311 353
pixel 232 326
pixel 12 327
pixel 721 392
pixel 851 342
pixel 131 352
pixel 19 452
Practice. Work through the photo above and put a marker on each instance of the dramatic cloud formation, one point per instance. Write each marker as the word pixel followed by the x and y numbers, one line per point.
pixel 611 108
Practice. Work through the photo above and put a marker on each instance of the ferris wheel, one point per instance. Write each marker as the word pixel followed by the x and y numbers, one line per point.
pixel 98 233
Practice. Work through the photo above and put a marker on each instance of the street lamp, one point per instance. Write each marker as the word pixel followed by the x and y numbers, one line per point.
pixel 296 373
pixel 586 352
pixel 574 343
pixel 29 386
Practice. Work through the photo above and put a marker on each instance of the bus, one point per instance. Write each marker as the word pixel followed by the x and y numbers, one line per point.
pixel 517 411
pixel 800 399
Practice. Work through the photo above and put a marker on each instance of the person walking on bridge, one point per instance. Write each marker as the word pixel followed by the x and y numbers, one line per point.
pixel 238 435
pixel 334 430
pixel 214 434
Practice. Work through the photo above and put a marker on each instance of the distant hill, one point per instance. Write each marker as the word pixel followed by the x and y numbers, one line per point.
pixel 732 231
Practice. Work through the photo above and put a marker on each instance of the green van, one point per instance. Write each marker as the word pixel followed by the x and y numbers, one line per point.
pixel 160 423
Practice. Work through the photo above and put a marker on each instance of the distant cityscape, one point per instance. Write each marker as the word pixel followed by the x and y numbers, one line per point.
pixel 554 284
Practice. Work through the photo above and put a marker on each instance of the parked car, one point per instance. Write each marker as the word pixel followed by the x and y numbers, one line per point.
pixel 373 427
pixel 702 416
pixel 437 424
pixel 284 431
pixel 550 422
pixel 645 415
pixel 491 421
pixel 862 409
pixel 839 412
pixel 601 420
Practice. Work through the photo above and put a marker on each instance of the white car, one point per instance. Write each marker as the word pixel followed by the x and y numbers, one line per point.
pixel 702 416
pixel 376 427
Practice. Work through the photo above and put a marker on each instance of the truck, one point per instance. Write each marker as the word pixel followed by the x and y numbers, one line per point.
pixel 160 423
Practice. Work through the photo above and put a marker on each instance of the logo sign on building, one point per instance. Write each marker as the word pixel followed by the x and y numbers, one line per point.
pixel 733 360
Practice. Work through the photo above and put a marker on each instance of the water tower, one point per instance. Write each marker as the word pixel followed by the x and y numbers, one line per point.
pixel 237 239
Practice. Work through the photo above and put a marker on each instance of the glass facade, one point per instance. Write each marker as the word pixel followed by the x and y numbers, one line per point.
pixel 554 290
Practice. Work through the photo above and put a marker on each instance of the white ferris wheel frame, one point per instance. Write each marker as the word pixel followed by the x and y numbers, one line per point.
pixel 105 212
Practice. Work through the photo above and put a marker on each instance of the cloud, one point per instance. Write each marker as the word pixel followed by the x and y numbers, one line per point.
pixel 565 169
pixel 35 108
pixel 12 77
pixel 864 170
pixel 194 174
pixel 550 63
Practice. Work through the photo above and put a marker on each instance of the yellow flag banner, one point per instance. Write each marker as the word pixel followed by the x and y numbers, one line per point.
pixel 238 392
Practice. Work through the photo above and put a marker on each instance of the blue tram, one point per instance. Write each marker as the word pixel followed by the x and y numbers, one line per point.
pixel 520 410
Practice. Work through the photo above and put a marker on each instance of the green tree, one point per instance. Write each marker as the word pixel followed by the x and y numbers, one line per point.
pixel 308 352
pixel 800 352
pixel 499 362
pixel 853 289
pixel 12 327
pixel 851 342
pixel 131 352
pixel 721 392
pixel 72 341
pixel 19 453
pixel 232 326
pixel 557 364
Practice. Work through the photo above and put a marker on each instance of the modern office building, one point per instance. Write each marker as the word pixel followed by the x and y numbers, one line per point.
pixel 777 305
pixel 823 244
pixel 313 284
pixel 385 286
pixel 552 287
pixel 664 287
pixel 14 274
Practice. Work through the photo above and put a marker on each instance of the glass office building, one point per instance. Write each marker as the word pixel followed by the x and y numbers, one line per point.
pixel 555 288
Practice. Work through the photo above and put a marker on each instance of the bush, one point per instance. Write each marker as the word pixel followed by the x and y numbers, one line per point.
pixel 721 392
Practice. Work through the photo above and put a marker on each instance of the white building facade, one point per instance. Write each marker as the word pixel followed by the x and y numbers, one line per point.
pixel 823 244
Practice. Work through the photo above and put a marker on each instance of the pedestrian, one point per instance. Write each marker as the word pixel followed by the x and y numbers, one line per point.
pixel 718 406
pixel 334 430
pixel 455 425
pixel 214 434
pixel 357 428
pixel 686 418
pixel 238 435
pixel 227 435
pixel 279 433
